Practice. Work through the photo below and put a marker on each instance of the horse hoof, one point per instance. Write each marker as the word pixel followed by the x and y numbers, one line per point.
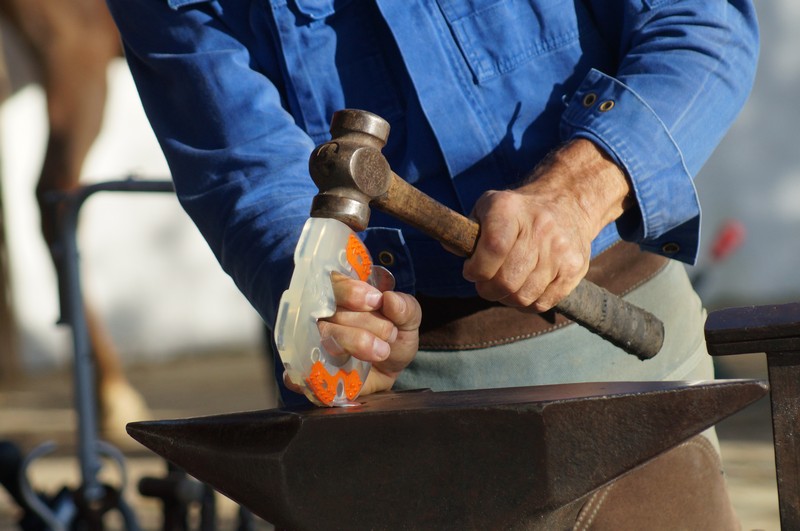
pixel 120 404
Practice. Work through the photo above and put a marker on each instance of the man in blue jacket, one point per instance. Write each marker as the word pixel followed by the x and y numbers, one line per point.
pixel 571 130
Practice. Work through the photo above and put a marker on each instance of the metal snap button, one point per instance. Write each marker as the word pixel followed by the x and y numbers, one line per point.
pixel 606 106
pixel 670 248
pixel 589 99
pixel 386 258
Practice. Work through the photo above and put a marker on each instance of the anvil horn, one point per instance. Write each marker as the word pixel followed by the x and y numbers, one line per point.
pixel 441 460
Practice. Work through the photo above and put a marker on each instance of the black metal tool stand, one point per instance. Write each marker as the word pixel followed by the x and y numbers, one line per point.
pixel 83 508
pixel 176 491
pixel 92 499
pixel 774 330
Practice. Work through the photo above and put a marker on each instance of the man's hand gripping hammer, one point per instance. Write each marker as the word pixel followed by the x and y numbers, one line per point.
pixel 352 174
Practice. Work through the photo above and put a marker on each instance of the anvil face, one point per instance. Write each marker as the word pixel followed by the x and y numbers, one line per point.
pixel 490 458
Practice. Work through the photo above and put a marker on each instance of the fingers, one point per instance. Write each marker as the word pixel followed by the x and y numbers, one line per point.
pixel 537 300
pixel 509 264
pixel 342 341
pixel 383 330
pixel 357 328
pixel 558 270
pixel 355 295
pixel 572 269
pixel 499 234
pixel 405 312
pixel 526 256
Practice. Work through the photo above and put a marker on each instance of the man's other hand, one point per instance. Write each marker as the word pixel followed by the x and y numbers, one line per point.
pixel 535 241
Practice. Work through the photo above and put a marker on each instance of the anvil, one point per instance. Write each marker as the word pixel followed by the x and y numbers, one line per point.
pixel 495 458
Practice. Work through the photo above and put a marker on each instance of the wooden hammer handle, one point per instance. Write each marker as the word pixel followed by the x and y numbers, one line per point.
pixel 627 326
pixel 404 202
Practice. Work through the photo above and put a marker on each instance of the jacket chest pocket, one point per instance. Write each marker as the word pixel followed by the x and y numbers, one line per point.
pixel 333 59
pixel 497 36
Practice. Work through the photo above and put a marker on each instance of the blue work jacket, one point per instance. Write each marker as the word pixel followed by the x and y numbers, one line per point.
pixel 239 92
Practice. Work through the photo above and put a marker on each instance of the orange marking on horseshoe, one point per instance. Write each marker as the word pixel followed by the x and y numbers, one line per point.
pixel 358 257
pixel 324 385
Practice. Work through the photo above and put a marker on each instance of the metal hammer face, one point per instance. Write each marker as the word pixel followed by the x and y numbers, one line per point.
pixel 350 170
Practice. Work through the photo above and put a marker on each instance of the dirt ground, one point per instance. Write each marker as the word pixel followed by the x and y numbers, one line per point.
pixel 39 409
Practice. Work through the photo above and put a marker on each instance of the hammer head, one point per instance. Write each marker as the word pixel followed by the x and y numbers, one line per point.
pixel 350 170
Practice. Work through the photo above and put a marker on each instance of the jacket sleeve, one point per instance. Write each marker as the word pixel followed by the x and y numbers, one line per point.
pixel 684 70
pixel 238 161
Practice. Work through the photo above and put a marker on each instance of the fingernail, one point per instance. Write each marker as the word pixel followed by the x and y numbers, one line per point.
pixel 381 349
pixel 373 299
pixel 393 335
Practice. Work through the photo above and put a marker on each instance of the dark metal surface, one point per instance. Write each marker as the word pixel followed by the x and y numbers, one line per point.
pixel 771 328
pixel 784 380
pixel 494 458
pixel 350 170
pixel 775 330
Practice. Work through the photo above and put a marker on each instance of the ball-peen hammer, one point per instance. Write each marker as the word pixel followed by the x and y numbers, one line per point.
pixel 352 174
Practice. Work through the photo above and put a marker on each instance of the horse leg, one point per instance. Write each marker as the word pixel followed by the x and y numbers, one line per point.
pixel 74 42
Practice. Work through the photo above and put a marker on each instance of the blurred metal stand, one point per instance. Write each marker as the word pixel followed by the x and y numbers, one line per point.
pixel 774 330
pixel 85 506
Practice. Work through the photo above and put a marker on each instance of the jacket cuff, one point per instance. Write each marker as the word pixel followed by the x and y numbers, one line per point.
pixel 613 116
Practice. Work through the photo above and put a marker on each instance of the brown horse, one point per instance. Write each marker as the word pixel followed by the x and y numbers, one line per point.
pixel 72 43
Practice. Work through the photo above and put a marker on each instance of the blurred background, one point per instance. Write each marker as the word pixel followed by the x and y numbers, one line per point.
pixel 165 301
pixel 161 291
pixel 151 275
pixel 754 176
pixel 148 271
